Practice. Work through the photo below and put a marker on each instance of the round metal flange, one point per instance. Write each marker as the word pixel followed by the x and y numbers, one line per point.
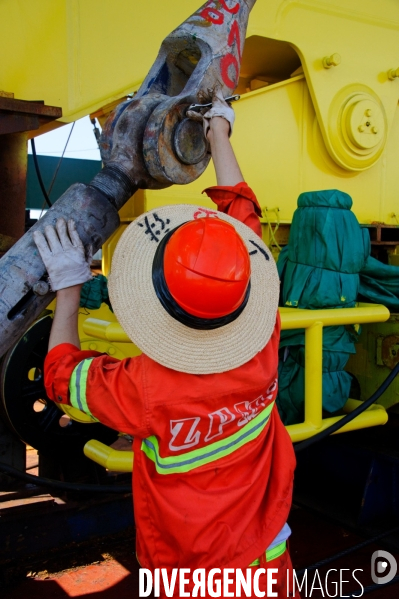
pixel 357 127
pixel 189 142
pixel 174 148
pixel 122 137
pixel 29 412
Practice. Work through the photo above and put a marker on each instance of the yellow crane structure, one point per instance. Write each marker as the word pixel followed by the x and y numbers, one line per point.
pixel 319 87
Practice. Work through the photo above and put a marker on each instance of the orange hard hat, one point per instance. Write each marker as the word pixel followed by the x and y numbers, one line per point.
pixel 207 268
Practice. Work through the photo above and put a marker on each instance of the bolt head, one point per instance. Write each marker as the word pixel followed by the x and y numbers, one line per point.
pixel 41 288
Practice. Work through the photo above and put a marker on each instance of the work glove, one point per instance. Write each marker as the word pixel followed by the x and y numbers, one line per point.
pixel 219 108
pixel 64 255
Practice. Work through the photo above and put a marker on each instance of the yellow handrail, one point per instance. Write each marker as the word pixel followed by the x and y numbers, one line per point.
pixel 313 322
pixel 112 459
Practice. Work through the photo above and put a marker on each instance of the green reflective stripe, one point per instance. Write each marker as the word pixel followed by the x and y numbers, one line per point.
pixel 272 554
pixel 77 387
pixel 276 551
pixel 205 455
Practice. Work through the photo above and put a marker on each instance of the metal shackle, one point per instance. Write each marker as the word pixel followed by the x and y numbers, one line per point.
pixel 202 54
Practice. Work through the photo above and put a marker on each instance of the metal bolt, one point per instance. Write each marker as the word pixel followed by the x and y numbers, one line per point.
pixel 368 124
pixel 374 129
pixel 361 128
pixel 41 288
pixel 393 74
pixel 332 61
pixel 369 112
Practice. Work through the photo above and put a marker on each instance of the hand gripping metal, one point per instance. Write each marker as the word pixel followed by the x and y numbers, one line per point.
pixel 202 54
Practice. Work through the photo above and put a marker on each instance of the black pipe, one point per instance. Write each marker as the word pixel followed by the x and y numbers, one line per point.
pixel 375 587
pixel 39 176
pixel 346 552
pixel 56 484
pixel 349 417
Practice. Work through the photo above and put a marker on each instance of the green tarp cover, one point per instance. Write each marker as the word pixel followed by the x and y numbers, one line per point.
pixel 326 264
pixel 379 284
pixel 94 293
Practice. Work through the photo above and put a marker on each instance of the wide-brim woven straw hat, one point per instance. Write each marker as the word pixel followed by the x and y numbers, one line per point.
pixel 156 332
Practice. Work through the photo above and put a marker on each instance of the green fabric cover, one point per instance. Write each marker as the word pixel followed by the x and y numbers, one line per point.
pixel 94 293
pixel 379 284
pixel 326 264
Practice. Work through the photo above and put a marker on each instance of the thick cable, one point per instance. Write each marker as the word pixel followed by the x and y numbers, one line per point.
pixel 346 552
pixel 56 484
pixel 375 587
pixel 170 304
pixel 39 176
pixel 349 417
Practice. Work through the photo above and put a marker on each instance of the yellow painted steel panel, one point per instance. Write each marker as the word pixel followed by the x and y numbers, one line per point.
pixel 82 54
pixel 281 151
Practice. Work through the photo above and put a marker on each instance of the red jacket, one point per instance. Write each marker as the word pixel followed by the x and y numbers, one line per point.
pixel 213 468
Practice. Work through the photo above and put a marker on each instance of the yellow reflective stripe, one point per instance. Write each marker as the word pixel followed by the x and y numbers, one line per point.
pixel 214 451
pixel 272 553
pixel 77 387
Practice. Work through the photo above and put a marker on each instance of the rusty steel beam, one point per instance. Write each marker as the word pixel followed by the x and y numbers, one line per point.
pixel 143 145
pixel 16 118
pixel 22 115
pixel 13 164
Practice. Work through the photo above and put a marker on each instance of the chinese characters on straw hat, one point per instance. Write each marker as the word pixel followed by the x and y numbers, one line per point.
pixel 176 342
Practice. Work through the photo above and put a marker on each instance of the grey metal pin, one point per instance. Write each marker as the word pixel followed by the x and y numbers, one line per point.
pixel 209 104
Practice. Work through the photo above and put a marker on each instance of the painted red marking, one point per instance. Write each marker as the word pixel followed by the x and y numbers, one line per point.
pixel 212 15
pixel 201 212
pixel 234 35
pixel 225 62
pixel 233 10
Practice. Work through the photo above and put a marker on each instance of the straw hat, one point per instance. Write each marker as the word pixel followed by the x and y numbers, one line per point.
pixel 160 335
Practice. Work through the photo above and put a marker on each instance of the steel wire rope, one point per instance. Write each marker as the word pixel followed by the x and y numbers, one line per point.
pixel 60 160
pixel 46 193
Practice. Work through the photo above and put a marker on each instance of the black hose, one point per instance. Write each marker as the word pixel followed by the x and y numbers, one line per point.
pixel 349 417
pixel 375 587
pixel 39 176
pixel 108 489
pixel 56 484
pixel 346 552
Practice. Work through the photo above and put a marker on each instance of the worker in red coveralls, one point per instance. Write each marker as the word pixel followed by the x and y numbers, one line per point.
pixel 197 290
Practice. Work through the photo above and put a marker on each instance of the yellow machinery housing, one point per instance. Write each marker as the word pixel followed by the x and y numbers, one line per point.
pixel 319 85
pixel 319 92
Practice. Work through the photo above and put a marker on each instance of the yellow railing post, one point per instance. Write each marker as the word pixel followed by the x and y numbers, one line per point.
pixel 313 374
pixel 291 318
